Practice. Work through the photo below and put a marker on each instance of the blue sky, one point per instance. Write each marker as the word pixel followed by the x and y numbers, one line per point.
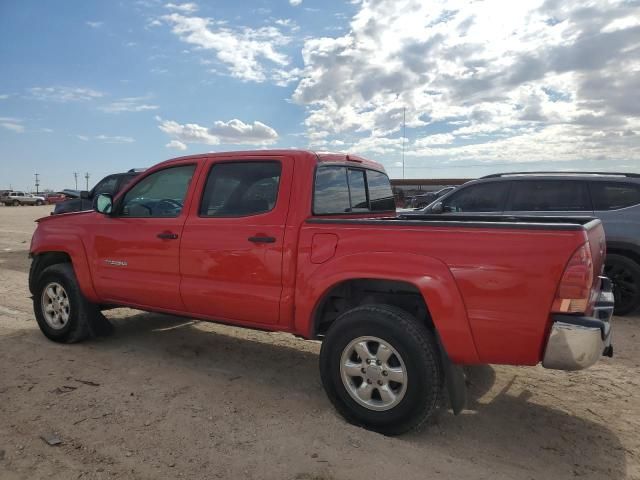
pixel 485 86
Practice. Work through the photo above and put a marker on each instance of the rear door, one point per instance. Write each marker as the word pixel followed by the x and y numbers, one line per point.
pixel 232 244
pixel 561 197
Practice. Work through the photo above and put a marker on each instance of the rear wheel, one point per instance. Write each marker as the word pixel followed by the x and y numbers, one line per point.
pixel 62 312
pixel 381 370
pixel 38 203
pixel 625 275
pixel 15 203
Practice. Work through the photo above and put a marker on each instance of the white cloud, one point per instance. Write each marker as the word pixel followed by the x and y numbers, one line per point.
pixel 234 132
pixel 543 79
pixel 178 145
pixel 106 138
pixel 250 54
pixel 4 96
pixel 64 94
pixel 94 24
pixel 13 124
pixel 182 7
pixel 295 3
pixel 128 104
pixel 114 139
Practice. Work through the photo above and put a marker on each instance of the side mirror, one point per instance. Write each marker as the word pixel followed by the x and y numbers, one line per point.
pixel 104 204
pixel 437 208
pixel 84 195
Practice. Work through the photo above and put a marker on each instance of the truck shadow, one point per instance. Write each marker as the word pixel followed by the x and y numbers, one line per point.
pixel 499 426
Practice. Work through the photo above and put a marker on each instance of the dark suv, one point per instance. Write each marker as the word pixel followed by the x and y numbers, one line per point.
pixel 110 184
pixel 612 197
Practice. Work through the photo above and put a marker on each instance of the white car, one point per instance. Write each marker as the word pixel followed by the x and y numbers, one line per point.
pixel 21 198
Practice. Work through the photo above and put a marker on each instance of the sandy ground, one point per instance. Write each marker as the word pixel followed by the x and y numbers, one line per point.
pixel 167 397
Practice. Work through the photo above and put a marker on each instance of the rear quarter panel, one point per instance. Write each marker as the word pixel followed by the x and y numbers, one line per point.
pixel 489 290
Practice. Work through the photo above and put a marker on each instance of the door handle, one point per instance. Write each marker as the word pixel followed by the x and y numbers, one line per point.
pixel 167 236
pixel 262 239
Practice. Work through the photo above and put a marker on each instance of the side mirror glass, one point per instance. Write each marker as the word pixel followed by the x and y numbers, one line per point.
pixel 437 208
pixel 84 194
pixel 104 204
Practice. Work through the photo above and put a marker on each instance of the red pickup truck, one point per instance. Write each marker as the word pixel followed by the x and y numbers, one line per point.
pixel 310 244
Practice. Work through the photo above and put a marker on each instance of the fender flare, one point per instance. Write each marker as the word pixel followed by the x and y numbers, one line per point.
pixel 72 245
pixel 429 275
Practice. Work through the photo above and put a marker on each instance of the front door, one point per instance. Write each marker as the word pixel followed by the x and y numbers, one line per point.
pixel 232 243
pixel 137 249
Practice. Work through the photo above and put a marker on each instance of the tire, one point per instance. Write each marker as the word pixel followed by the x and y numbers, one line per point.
pixel 625 275
pixel 38 203
pixel 15 203
pixel 414 351
pixel 79 311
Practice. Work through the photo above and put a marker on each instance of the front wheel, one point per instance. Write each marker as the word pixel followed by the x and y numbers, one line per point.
pixel 38 203
pixel 625 275
pixel 380 368
pixel 62 312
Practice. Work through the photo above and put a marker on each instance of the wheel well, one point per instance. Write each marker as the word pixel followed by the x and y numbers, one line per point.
pixel 353 293
pixel 42 261
pixel 635 256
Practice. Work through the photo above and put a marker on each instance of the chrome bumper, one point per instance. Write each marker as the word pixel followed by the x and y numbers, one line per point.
pixel 577 342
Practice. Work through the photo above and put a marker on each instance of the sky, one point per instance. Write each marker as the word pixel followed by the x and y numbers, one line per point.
pixel 463 88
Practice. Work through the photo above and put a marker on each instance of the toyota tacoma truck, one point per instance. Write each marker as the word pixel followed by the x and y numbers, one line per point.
pixel 309 243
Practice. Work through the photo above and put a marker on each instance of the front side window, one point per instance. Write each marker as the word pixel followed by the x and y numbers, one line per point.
pixel 161 194
pixel 550 196
pixel 485 197
pixel 614 195
pixel 239 189
pixel 340 189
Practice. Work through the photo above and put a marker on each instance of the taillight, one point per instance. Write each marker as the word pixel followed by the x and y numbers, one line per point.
pixel 574 291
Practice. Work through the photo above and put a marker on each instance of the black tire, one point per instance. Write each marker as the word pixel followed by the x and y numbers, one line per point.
pixel 16 203
pixel 625 275
pixel 419 351
pixel 38 203
pixel 81 311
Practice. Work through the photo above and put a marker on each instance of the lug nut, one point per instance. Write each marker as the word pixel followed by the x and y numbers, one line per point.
pixel 379 382
pixel 368 361
pixel 369 381
pixel 385 373
pixel 378 362
pixel 362 370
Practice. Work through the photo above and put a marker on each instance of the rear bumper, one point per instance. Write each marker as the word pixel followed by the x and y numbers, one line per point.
pixel 577 342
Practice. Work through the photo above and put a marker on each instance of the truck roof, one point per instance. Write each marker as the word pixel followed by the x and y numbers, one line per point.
pixel 324 157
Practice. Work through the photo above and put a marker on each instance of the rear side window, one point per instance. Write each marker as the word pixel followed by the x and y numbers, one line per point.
pixel 341 189
pixel 380 193
pixel 485 197
pixel 550 196
pixel 239 189
pixel 614 195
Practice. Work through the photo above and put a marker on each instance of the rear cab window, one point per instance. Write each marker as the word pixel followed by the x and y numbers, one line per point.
pixel 340 189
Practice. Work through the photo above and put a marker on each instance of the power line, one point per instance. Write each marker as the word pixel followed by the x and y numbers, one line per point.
pixel 75 176
pixel 86 176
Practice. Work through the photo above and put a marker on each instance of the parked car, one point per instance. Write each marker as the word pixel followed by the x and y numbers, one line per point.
pixel 82 200
pixel 612 197
pixel 16 198
pixel 245 238
pixel 51 198
pixel 422 200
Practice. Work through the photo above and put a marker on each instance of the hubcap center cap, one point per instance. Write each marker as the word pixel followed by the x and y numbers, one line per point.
pixel 374 373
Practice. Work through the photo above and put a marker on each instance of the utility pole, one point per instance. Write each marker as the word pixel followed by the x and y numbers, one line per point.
pixel 86 176
pixel 404 131
pixel 75 175
pixel 37 183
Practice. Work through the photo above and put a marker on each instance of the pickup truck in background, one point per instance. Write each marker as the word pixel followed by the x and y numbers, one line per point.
pixel 14 199
pixel 309 244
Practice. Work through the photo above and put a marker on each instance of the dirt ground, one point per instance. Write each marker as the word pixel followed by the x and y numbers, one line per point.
pixel 168 397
